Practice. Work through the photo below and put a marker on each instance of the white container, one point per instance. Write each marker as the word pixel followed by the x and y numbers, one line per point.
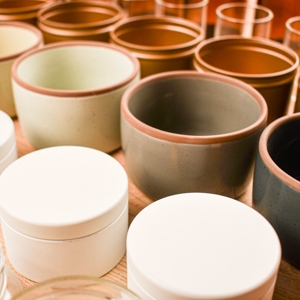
pixel 64 211
pixel 8 147
pixel 201 246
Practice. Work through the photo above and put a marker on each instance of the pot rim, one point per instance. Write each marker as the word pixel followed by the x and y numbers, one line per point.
pixel 27 26
pixel 264 153
pixel 74 93
pixel 167 21
pixel 59 7
pixel 200 4
pixel 193 139
pixel 253 41
pixel 24 8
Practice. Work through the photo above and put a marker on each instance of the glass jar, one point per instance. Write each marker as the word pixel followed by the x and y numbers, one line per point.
pixel 9 282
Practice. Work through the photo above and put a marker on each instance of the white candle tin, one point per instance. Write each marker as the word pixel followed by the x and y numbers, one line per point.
pixel 202 246
pixel 64 211
pixel 8 148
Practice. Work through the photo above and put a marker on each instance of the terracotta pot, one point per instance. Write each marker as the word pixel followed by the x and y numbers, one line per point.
pixel 21 10
pixel 160 43
pixel 79 19
pixel 268 66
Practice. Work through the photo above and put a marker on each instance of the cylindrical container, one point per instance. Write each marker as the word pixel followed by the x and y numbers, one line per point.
pixel 69 93
pixel 21 10
pixel 64 211
pixel 74 288
pixel 268 66
pixel 189 132
pixel 10 284
pixel 160 43
pixel 78 20
pixel 276 183
pixel 202 246
pixel 15 38
pixel 8 147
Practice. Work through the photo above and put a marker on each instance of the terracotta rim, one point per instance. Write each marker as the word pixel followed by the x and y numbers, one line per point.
pixel 258 42
pixel 24 8
pixel 263 150
pixel 59 7
pixel 29 27
pixel 149 20
pixel 165 3
pixel 72 93
pixel 193 139
pixel 289 25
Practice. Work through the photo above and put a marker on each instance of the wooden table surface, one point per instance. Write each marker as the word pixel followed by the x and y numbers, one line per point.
pixel 288 282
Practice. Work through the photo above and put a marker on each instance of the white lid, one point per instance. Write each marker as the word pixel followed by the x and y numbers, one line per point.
pixel 7 134
pixel 202 246
pixel 63 192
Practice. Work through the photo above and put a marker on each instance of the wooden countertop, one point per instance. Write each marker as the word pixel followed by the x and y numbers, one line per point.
pixel 288 282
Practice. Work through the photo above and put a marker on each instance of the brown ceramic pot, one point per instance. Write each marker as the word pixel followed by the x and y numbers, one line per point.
pixel 79 19
pixel 268 66
pixel 160 43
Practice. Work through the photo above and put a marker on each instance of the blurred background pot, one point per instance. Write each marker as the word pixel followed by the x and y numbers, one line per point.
pixel 276 186
pixel 184 131
pixel 69 93
pixel 15 39
pixel 268 66
pixel 78 20
pixel 21 10
pixel 160 43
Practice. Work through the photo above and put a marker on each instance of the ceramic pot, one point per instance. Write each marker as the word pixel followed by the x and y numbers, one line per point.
pixel 183 131
pixel 22 10
pixel 69 93
pixel 78 20
pixel 160 43
pixel 15 38
pixel 276 185
pixel 268 66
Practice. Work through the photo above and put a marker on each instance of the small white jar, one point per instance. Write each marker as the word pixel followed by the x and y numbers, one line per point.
pixel 64 211
pixel 8 147
pixel 202 246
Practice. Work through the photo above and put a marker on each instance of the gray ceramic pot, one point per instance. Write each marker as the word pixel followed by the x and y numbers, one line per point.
pixel 276 187
pixel 184 131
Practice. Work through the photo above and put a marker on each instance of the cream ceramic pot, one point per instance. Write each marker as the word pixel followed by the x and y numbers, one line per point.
pixel 15 39
pixel 68 93
pixel 64 211
pixel 190 132
pixel 202 246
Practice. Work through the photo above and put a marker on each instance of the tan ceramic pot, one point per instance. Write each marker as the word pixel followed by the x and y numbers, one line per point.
pixel 160 43
pixel 268 66
pixel 21 10
pixel 184 131
pixel 79 20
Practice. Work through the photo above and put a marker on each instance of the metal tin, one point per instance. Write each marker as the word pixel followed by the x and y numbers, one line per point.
pixel 160 43
pixel 21 10
pixel 268 66
pixel 78 19
pixel 68 214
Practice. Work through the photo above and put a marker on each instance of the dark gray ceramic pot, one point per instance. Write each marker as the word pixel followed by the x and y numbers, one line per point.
pixel 276 187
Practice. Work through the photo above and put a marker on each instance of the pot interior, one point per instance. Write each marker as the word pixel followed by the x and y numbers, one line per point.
pixel 240 58
pixel 76 67
pixel 284 147
pixel 193 106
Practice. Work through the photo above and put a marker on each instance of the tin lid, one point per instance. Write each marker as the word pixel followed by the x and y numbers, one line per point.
pixel 202 246
pixel 7 134
pixel 63 192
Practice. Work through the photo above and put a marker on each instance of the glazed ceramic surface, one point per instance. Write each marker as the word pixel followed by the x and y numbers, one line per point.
pixel 276 187
pixel 268 66
pixel 69 93
pixel 160 43
pixel 187 132
pixel 15 38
